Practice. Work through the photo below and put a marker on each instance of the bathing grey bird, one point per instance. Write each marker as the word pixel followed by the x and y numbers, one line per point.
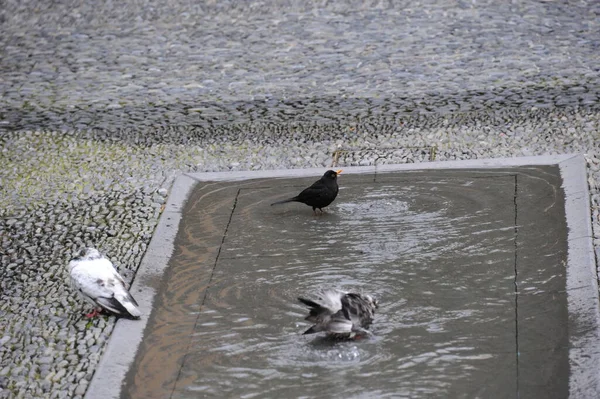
pixel 320 194
pixel 341 314
pixel 98 282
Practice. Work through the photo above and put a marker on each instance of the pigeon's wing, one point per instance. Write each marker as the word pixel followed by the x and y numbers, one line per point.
pixel 93 281
pixel 328 313
pixel 331 299
pixel 318 312
pixel 327 303
pixel 101 283
pixel 125 291
pixel 340 322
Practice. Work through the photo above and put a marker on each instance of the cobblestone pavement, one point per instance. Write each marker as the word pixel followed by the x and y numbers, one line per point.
pixel 103 104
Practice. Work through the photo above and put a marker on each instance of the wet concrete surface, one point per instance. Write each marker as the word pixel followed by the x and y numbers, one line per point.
pixel 469 268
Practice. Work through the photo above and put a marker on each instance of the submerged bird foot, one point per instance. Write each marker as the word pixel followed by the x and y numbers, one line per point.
pixel 362 333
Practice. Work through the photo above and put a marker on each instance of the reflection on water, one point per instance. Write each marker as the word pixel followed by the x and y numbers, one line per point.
pixel 440 260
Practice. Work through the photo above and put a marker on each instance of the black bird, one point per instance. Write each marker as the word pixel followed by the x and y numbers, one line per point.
pixel 320 194
pixel 341 314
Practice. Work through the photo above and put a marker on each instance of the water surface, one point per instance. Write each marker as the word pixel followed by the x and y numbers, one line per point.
pixel 441 252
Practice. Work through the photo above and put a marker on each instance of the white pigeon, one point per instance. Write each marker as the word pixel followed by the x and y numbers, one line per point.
pixel 98 282
pixel 341 314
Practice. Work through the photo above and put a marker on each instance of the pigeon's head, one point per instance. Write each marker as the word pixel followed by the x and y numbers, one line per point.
pixel 87 253
pixel 372 300
pixel 331 174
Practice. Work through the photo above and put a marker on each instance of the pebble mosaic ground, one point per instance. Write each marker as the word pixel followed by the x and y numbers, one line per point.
pixel 101 106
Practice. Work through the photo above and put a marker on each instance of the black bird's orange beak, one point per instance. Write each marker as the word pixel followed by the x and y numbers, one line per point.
pixel 338 171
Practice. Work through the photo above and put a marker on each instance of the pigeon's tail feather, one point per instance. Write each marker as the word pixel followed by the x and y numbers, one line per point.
pixel 131 305
pixel 285 201
pixel 313 330
pixel 112 305
pixel 130 298
pixel 124 306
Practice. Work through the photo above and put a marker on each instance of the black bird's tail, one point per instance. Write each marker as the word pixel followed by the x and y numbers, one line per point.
pixel 285 200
